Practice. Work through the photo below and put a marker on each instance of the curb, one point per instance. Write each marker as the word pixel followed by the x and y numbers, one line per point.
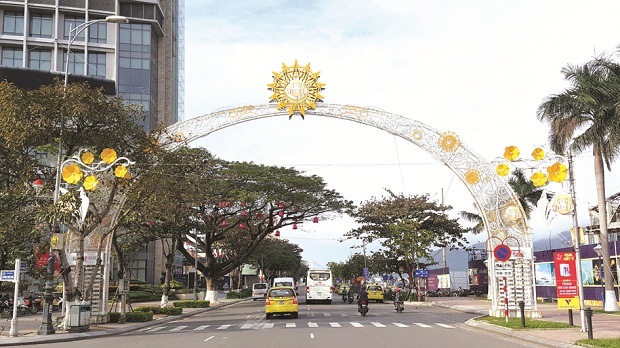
pixel 29 340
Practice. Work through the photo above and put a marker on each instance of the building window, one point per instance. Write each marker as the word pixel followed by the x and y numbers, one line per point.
pixel 40 59
pixel 72 23
pixel 96 64
pixel 98 33
pixel 76 62
pixel 41 25
pixel 13 23
pixel 12 56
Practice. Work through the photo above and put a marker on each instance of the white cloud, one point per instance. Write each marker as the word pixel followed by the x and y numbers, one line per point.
pixel 476 68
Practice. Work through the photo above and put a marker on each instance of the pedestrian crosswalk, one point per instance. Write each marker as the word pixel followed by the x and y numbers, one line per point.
pixel 297 324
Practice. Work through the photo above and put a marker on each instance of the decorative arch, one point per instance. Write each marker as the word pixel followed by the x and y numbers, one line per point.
pixel 502 213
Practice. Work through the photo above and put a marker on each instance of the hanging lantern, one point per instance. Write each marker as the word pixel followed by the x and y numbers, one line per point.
pixel 244 213
pixel 277 233
pixel 281 213
pixel 220 204
pixel 242 204
pixel 294 226
pixel 281 205
pixel 38 185
pixel 228 204
pixel 224 223
pixel 259 215
pixel 241 225
pixel 315 220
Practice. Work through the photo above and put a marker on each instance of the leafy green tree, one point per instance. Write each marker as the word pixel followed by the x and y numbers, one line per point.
pixel 584 117
pixel 278 257
pixel 408 226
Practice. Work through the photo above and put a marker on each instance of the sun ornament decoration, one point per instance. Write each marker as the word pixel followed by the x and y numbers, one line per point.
pixel 296 88
pixel 449 142
pixel 472 176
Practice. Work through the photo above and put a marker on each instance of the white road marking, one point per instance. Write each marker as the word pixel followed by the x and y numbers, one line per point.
pixel 224 327
pixel 311 324
pixel 246 326
pixel 201 327
pixel 444 325
pixel 290 325
pixel 327 314
pixel 209 338
pixel 400 324
pixel 179 328
pixel 311 335
pixel 311 314
pixel 377 324
pixel 422 325
pixel 354 324
pixel 268 326
pixel 157 329
pixel 335 325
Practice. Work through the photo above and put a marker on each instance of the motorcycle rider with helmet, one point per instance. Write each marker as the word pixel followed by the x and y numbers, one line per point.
pixel 398 300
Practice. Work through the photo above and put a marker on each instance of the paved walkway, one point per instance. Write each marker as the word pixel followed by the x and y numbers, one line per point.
pixel 604 325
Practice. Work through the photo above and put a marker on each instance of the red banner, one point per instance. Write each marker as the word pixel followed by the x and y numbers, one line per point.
pixel 42 261
pixel 566 280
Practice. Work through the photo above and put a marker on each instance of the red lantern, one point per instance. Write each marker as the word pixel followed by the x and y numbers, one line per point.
pixel 220 204
pixel 281 205
pixel 242 204
pixel 228 204
pixel 281 213
pixel 315 220
pixel 224 223
pixel 259 215
pixel 277 233
pixel 241 225
pixel 294 226
pixel 244 213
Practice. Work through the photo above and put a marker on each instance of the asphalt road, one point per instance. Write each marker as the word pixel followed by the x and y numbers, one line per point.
pixel 337 324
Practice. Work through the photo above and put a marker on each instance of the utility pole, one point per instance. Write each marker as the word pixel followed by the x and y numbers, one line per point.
pixel 445 259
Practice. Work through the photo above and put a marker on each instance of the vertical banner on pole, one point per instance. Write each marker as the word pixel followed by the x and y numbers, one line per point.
pixel 566 280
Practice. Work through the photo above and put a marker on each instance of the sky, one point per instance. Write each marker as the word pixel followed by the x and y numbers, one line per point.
pixel 479 69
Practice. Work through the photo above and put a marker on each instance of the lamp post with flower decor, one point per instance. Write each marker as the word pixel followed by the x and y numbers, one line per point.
pixel 81 171
pixel 556 172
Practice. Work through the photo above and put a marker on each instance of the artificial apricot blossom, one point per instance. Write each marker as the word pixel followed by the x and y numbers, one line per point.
pixel 90 183
pixel 88 157
pixel 72 174
pixel 557 172
pixel 108 155
pixel 539 179
pixel 120 171
pixel 538 154
pixel 502 169
pixel 512 153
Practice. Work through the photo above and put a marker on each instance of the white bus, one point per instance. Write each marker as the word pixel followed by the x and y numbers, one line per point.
pixel 319 285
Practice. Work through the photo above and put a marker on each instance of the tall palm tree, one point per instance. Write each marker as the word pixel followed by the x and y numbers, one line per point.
pixel 525 190
pixel 586 116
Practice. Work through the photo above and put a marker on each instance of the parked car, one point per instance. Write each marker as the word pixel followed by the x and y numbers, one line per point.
pixel 281 300
pixel 259 290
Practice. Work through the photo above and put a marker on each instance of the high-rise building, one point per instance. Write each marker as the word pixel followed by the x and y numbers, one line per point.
pixel 141 61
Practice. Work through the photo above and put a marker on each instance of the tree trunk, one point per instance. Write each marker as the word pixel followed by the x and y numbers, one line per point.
pixel 611 303
pixel 211 289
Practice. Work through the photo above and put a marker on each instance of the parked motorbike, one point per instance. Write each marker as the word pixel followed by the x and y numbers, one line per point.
pixel 56 304
pixel 363 308
pixel 22 308
pixel 33 306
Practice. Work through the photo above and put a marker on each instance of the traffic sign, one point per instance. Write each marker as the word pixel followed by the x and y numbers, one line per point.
pixel 420 273
pixel 502 252
pixel 23 266
pixel 7 275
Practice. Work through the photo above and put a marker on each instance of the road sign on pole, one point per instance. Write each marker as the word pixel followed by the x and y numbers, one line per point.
pixel 7 275
pixel 502 252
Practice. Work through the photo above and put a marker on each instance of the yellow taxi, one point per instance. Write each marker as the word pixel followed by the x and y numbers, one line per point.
pixel 375 293
pixel 281 300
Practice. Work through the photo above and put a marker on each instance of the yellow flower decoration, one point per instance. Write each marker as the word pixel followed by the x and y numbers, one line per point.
pixel 108 155
pixel 417 135
pixel 539 179
pixel 512 153
pixel 90 183
pixel 88 157
pixel 538 154
pixel 557 172
pixel 472 176
pixel 502 169
pixel 120 171
pixel 72 174
pixel 449 142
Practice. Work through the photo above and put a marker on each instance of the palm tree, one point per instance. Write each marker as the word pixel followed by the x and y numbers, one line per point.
pixel 586 115
pixel 525 190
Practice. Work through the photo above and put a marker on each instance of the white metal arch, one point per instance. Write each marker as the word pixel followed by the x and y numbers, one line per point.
pixel 503 216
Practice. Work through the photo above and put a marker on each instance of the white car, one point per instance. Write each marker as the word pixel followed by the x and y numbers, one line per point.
pixel 259 290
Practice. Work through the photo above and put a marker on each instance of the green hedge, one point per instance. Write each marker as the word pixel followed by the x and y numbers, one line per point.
pixel 133 317
pixel 239 293
pixel 191 304
pixel 159 310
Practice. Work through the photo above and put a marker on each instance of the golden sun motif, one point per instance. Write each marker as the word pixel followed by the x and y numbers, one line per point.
pixel 449 142
pixel 296 88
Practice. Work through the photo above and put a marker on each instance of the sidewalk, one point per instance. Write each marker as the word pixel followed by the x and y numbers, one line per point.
pixel 603 325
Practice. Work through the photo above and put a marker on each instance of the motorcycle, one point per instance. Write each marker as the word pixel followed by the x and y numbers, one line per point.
pixel 350 298
pixel 33 306
pixel 363 308
pixel 22 308
pixel 56 304
pixel 399 306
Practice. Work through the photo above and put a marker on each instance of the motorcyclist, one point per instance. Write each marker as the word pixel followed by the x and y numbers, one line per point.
pixel 397 298
pixel 362 297
pixel 345 292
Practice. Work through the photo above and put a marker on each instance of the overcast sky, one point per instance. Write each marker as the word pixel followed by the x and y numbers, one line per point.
pixel 479 69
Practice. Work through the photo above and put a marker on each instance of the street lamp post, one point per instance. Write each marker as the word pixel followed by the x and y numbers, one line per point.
pixel 598 249
pixel 46 327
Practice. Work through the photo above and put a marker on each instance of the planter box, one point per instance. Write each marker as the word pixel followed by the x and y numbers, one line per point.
pixel 190 296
